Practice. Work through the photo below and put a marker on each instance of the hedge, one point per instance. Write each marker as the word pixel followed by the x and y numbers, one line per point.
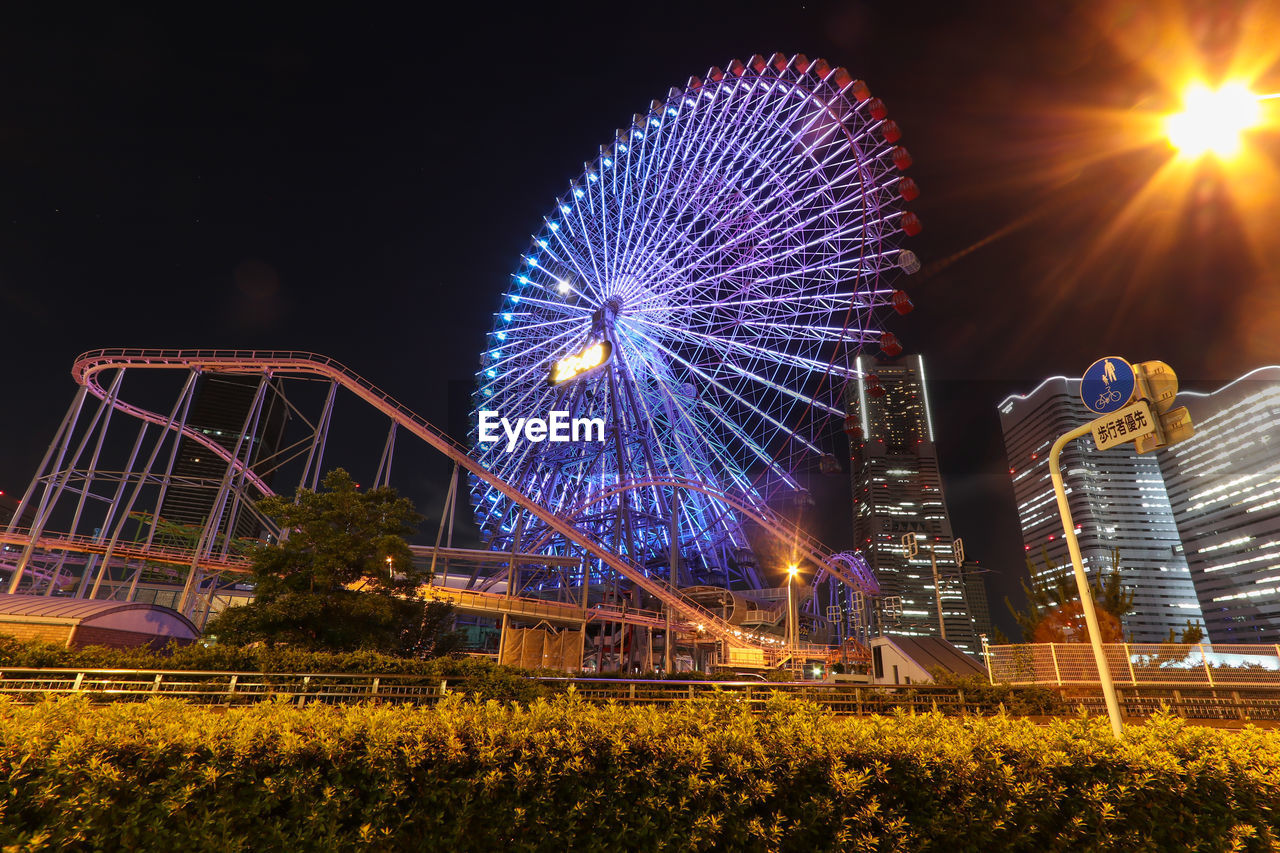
pixel 567 775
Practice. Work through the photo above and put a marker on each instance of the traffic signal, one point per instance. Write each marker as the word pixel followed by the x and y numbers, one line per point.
pixel 1158 384
pixel 1171 427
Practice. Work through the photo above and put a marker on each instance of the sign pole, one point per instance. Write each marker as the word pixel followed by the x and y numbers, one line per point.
pixel 1082 582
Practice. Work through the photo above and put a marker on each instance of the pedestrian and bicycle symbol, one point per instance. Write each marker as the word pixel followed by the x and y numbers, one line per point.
pixel 1108 385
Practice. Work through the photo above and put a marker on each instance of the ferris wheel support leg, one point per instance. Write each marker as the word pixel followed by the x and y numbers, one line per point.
pixel 109 523
pixel 105 410
pixel 208 537
pixel 382 478
pixel 446 512
pixel 124 516
pixel 179 416
pixel 61 441
pixel 315 456
pixel 67 420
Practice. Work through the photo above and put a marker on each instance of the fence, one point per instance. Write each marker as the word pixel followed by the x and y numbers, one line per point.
pixel 1137 664
pixel 238 688
pixel 217 688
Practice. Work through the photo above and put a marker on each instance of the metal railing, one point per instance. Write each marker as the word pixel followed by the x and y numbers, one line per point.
pixel 27 685
pixel 218 688
pixel 1137 664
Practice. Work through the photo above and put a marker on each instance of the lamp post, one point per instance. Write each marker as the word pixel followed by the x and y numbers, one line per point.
pixel 1213 121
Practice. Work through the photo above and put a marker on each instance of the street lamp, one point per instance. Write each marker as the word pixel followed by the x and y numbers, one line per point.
pixel 1213 120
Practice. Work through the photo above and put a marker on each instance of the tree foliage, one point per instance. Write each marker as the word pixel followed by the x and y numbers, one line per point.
pixel 1190 635
pixel 341 578
pixel 1055 614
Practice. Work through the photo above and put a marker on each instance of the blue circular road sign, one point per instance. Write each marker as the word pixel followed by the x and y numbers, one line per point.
pixel 1107 385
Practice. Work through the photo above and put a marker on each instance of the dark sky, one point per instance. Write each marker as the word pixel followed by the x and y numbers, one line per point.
pixel 361 184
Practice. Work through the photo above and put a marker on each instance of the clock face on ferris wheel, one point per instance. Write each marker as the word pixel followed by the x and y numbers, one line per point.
pixel 704 287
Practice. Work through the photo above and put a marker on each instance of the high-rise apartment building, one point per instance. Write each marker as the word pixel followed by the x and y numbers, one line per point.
pixel 897 491
pixel 1224 487
pixel 1118 504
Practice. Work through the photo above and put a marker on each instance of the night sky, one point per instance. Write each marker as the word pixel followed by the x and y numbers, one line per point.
pixel 361 184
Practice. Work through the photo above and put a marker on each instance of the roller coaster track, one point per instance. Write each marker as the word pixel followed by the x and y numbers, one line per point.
pixel 124 550
pixel 89 367
pixel 841 566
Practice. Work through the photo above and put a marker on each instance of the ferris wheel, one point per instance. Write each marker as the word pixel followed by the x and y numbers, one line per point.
pixel 696 300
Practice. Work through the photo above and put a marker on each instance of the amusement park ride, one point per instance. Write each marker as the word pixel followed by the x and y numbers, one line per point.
pixel 702 290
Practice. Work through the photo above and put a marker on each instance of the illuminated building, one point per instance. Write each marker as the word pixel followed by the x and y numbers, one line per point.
pixel 975 590
pixel 1118 503
pixel 1224 486
pixel 897 490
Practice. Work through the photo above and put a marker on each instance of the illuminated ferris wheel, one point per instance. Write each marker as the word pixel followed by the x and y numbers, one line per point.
pixel 695 301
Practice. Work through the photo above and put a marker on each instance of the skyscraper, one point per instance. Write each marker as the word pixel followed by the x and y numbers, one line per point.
pixel 1118 504
pixel 1224 487
pixel 897 491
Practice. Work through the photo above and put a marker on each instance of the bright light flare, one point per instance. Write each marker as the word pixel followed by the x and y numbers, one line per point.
pixel 1212 121
pixel 573 366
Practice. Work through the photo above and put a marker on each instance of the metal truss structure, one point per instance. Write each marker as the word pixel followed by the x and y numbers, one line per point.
pixel 722 261
pixel 701 290
pixel 97 502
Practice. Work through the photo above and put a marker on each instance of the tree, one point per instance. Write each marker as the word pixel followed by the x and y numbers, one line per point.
pixel 1190 635
pixel 1055 614
pixel 341 578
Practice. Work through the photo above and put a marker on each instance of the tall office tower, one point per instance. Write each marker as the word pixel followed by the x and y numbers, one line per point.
pixel 975 590
pixel 1117 500
pixel 1224 485
pixel 897 491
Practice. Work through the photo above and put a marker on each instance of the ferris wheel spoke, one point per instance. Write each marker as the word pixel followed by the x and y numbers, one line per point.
pixel 754 377
pixel 658 169
pixel 575 260
pixel 819 304
pixel 589 236
pixel 711 380
pixel 529 363
pixel 747 198
pixel 761 156
pixel 722 345
pixel 748 442
pixel 774 260
pixel 695 437
pixel 802 202
pixel 679 226
pixel 709 171
pixel 768 237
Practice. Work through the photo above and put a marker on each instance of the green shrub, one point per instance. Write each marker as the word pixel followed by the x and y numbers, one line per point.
pixel 1020 701
pixel 564 774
